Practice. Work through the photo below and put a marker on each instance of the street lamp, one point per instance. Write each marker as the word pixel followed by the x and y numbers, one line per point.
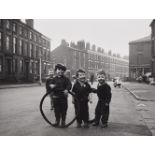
pixel 40 68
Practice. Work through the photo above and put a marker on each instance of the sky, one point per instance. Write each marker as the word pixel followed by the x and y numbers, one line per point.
pixel 110 34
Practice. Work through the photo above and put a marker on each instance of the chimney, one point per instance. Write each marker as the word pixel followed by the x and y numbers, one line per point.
pixel 93 48
pixel 99 49
pixel 72 44
pixel 64 43
pixel 81 45
pixel 87 46
pixel 30 22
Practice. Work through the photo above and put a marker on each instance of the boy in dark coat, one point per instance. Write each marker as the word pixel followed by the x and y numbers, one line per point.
pixel 81 89
pixel 104 97
pixel 60 86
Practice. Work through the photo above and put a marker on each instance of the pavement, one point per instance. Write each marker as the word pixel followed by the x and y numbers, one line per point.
pixel 141 91
pixel 144 98
pixel 6 86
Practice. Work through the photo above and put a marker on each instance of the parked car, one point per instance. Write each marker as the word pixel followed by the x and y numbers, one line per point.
pixel 117 82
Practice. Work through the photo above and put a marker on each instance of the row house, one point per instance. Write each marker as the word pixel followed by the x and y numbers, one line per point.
pixel 80 55
pixel 22 48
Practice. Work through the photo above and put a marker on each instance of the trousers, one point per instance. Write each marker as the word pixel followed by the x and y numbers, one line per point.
pixel 60 108
pixel 82 110
pixel 101 112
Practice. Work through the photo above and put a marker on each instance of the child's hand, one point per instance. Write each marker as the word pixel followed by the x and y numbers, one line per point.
pixel 66 92
pixel 52 86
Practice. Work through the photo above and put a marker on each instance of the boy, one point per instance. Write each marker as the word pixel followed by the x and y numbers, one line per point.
pixel 60 86
pixel 81 89
pixel 104 97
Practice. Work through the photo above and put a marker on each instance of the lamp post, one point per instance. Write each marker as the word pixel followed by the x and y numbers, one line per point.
pixel 40 68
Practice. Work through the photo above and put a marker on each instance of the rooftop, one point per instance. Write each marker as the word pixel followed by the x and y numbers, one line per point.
pixel 145 39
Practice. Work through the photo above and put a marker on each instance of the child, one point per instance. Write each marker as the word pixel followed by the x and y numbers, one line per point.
pixel 81 89
pixel 104 97
pixel 60 86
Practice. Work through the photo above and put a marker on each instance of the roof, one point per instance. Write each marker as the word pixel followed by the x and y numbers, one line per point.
pixel 145 39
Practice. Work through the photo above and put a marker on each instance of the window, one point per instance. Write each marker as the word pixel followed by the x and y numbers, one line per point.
pixel 25 49
pixel 20 47
pixel 30 35
pixel 14 45
pixel 35 68
pixel 35 37
pixel 14 27
pixel 9 66
pixel 25 32
pixel 31 67
pixel 20 30
pixel 0 40
pixel 8 24
pixel 15 65
pixel 1 64
pixel 37 51
pixel 7 43
pixel 31 50
pixel 34 51
pixel 21 66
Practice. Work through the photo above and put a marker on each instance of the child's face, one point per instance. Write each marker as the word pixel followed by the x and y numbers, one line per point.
pixel 82 76
pixel 59 72
pixel 101 78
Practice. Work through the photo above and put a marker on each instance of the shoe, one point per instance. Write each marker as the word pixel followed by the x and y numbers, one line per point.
pixel 86 125
pixel 78 125
pixel 56 124
pixel 63 123
pixel 95 124
pixel 104 125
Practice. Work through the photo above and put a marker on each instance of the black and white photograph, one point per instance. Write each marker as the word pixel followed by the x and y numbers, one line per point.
pixel 77 77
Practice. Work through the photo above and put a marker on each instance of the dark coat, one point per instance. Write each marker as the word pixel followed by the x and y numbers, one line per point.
pixel 81 92
pixel 104 93
pixel 62 83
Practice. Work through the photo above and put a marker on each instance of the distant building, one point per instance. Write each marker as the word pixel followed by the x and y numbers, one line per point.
pixel 139 57
pixel 21 48
pixel 81 55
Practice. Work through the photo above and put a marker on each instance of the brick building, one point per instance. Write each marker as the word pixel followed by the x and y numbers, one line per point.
pixel 81 55
pixel 139 57
pixel 21 47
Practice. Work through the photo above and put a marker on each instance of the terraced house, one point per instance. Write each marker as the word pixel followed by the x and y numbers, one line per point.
pixel 90 58
pixel 22 48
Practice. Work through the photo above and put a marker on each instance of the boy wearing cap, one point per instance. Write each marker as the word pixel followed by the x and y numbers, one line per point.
pixel 60 86
pixel 104 97
pixel 81 89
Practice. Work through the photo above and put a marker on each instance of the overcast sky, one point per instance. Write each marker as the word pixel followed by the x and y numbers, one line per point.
pixel 110 34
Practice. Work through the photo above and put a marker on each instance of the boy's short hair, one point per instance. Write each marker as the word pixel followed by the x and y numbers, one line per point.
pixel 80 71
pixel 60 66
pixel 101 72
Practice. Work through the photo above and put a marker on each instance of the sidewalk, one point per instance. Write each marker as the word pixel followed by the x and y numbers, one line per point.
pixel 141 91
pixel 145 95
pixel 6 86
